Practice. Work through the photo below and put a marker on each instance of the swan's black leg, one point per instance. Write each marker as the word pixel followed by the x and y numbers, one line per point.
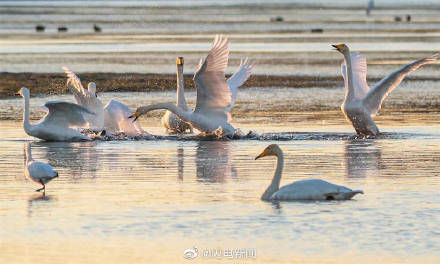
pixel 43 188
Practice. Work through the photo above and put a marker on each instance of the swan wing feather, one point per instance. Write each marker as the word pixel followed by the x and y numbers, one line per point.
pixel 82 96
pixel 359 72
pixel 65 114
pixel 313 189
pixel 380 91
pixel 213 92
pixel 238 78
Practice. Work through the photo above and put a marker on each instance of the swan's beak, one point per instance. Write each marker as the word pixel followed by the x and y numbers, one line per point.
pixel 338 47
pixel 179 61
pixel 18 93
pixel 263 154
pixel 135 116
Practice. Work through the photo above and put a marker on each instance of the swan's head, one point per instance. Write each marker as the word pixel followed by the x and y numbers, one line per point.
pixel 135 115
pixel 23 92
pixel 92 88
pixel 342 48
pixel 179 61
pixel 271 150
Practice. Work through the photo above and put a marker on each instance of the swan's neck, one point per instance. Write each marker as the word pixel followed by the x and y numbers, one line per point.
pixel 350 90
pixel 181 102
pixel 184 115
pixel 28 153
pixel 275 184
pixel 26 124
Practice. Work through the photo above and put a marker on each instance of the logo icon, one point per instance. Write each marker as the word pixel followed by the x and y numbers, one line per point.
pixel 191 253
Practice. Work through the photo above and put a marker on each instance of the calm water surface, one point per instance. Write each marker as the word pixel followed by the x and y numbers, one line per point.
pixel 150 200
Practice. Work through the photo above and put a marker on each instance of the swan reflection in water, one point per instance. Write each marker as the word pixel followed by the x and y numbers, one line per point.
pixel 213 161
pixel 37 200
pixel 362 158
pixel 180 162
pixel 81 159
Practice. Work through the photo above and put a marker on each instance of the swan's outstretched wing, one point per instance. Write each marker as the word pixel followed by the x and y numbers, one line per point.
pixel 238 78
pixel 379 92
pixel 359 70
pixel 213 93
pixel 87 99
pixel 82 96
pixel 65 114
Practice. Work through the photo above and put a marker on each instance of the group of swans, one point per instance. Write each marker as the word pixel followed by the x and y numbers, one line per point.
pixel 312 189
pixel 216 95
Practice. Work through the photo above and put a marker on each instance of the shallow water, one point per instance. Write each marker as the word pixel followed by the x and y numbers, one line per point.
pixel 146 201
pixel 150 200
pixel 146 36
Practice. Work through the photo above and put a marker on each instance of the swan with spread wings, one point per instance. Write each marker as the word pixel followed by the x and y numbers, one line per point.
pixel 87 98
pixel 112 118
pixel 361 102
pixel 215 95
pixel 59 123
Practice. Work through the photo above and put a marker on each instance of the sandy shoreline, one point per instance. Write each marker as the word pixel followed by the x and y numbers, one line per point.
pixel 55 83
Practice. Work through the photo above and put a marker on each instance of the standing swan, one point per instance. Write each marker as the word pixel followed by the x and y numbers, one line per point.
pixel 313 189
pixel 215 94
pixel 36 171
pixel 362 103
pixel 172 123
pixel 56 125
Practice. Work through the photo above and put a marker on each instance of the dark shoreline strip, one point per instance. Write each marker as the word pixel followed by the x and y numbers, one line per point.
pixel 55 83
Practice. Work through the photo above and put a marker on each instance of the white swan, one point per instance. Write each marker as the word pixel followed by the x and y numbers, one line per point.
pixel 57 124
pixel 313 189
pixel 36 171
pixel 362 103
pixel 112 118
pixel 88 99
pixel 115 120
pixel 172 123
pixel 215 95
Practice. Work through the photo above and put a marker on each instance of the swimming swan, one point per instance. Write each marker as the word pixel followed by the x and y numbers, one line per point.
pixel 57 124
pixel 36 171
pixel 313 189
pixel 215 95
pixel 362 103
pixel 172 123
pixel 112 118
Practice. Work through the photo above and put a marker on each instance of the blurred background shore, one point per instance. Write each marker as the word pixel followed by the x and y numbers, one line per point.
pixel 131 46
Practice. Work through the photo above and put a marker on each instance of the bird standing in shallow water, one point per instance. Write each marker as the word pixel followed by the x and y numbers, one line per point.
pixel 361 102
pixel 36 171
pixel 313 189
pixel 172 123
